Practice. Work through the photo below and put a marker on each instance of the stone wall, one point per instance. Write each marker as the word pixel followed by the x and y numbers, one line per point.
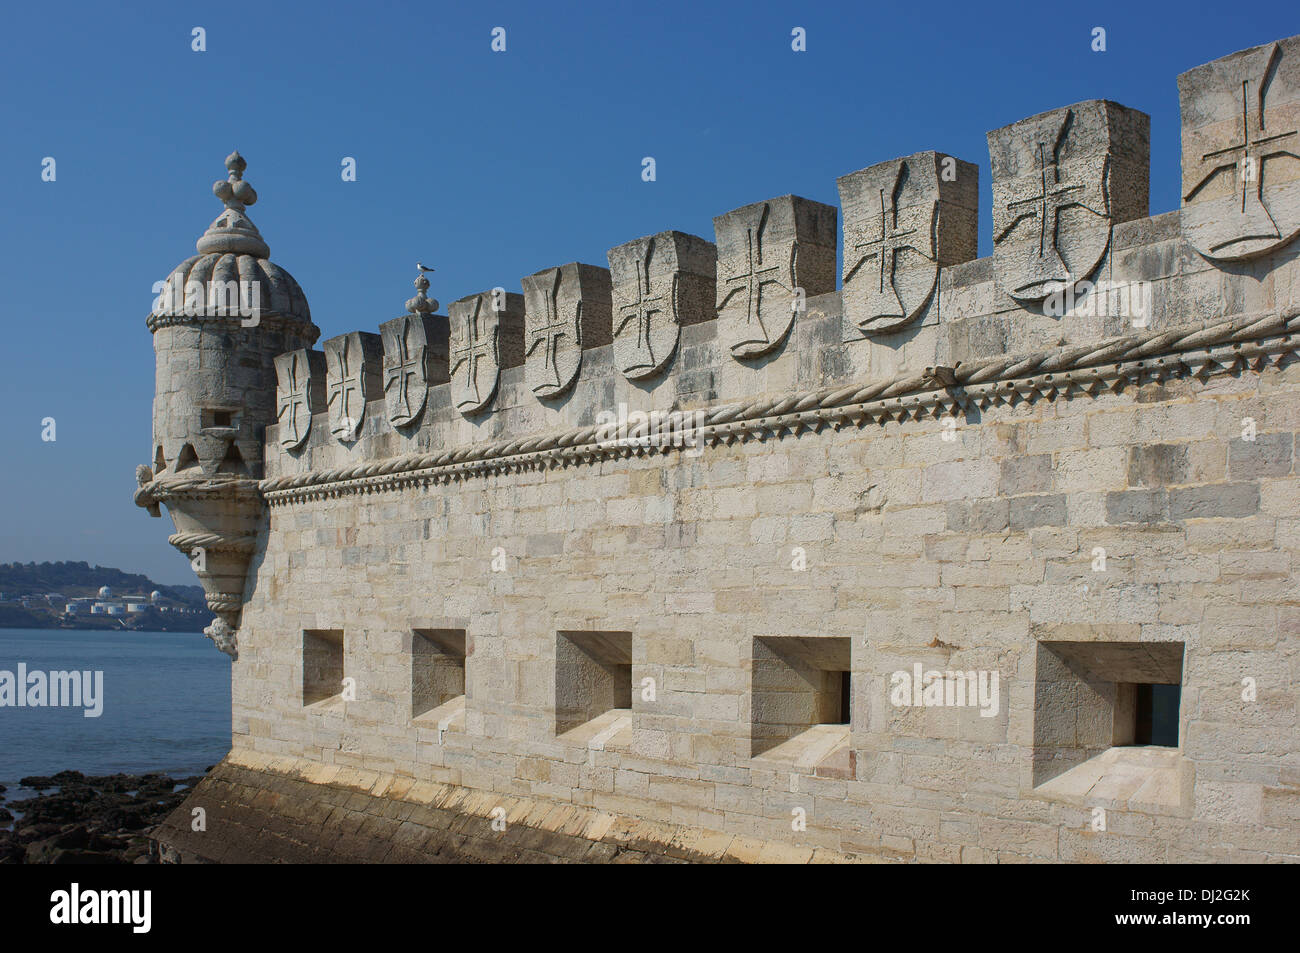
pixel 967 554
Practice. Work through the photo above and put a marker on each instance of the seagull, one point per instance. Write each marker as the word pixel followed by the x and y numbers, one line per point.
pixel 422 267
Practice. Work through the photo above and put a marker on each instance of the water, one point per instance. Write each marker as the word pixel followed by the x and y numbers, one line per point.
pixel 166 705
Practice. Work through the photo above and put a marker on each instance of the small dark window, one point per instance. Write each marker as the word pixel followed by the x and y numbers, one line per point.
pixel 233 462
pixel 322 664
pixel 218 418
pixel 437 668
pixel 846 697
pixel 593 675
pixel 1156 715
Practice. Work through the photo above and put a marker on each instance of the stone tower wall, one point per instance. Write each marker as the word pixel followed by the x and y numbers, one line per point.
pixel 215 364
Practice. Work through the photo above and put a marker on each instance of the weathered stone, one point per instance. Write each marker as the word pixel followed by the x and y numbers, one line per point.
pixel 566 310
pixel 1042 510
pixel 300 394
pixel 486 335
pixel 1241 151
pixel 415 358
pixel 1061 179
pixel 903 221
pixel 354 374
pixel 1267 455
pixel 1219 500
pixel 1137 506
pixel 1158 464
pixel 768 252
pixel 660 284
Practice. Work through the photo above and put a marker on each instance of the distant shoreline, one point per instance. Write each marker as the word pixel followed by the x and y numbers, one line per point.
pixel 187 626
pixel 190 627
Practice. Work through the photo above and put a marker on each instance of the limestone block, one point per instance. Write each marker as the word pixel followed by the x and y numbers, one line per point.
pixel 1241 151
pixel 415 357
pixel 903 221
pixel 300 393
pixel 1061 180
pixel 766 252
pixel 660 284
pixel 487 334
pixel 566 309
pixel 353 363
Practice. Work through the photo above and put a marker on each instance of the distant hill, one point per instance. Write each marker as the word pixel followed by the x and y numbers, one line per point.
pixel 82 579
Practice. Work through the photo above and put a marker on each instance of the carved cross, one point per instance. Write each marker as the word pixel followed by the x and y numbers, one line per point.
pixel 753 277
pixel 642 309
pixel 1249 153
pixel 346 389
pixel 897 228
pixel 408 370
pixel 294 402
pixel 477 346
pixel 1052 196
pixel 553 328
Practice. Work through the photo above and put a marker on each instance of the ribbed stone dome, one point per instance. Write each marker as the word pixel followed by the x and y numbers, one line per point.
pixel 232 250
pixel 278 291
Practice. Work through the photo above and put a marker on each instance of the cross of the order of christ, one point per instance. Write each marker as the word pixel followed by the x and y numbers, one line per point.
pixel 1247 155
pixel 752 280
pixel 549 333
pixel 477 346
pixel 641 310
pixel 900 229
pixel 295 401
pixel 346 389
pixel 408 369
pixel 1046 204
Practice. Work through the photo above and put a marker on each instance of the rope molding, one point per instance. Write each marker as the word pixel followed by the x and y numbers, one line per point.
pixel 983 384
pixel 234 322
pixel 212 542
pixel 158 491
pixel 990 382
pixel 226 601
pixel 1050 374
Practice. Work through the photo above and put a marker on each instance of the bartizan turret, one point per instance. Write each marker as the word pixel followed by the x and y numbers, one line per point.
pixel 218 322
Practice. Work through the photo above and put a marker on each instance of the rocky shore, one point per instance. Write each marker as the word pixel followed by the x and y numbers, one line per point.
pixel 87 820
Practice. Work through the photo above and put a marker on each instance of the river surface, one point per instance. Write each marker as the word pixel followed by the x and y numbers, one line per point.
pixel 166 705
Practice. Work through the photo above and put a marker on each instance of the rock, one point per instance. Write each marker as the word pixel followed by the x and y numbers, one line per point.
pixel 11 852
pixel 98 819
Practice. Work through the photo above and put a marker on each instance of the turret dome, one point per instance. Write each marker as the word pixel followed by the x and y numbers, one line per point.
pixel 231 250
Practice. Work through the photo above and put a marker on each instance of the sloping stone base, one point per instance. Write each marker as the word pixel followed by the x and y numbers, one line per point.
pixel 262 810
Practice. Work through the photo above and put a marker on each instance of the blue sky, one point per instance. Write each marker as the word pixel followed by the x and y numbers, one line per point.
pixel 488 165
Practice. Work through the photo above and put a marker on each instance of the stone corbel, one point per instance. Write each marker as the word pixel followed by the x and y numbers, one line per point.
pixel 217 521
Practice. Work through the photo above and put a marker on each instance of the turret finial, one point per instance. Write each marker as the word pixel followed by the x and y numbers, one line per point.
pixel 234 191
pixel 233 231
pixel 422 304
